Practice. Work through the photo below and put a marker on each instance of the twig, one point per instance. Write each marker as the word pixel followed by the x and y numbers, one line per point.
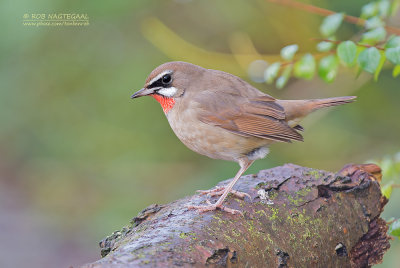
pixel 326 12
pixel 338 42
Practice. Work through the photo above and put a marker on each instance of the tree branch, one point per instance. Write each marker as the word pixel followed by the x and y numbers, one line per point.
pixel 298 217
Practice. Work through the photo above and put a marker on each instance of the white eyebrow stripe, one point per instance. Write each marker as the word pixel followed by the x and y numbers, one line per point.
pixel 168 91
pixel 159 76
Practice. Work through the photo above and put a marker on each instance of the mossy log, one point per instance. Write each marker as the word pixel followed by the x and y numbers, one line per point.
pixel 298 217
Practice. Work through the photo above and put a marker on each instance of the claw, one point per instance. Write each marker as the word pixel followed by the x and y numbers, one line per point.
pixel 220 190
pixel 208 192
pixel 212 207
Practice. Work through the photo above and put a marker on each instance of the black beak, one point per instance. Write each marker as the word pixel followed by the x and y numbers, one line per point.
pixel 143 92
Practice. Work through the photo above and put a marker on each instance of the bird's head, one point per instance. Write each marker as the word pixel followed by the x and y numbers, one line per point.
pixel 168 82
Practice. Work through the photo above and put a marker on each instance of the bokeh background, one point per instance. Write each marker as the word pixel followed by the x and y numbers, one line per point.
pixel 79 158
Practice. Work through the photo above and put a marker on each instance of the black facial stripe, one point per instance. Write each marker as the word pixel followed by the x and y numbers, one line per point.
pixel 164 81
pixel 157 83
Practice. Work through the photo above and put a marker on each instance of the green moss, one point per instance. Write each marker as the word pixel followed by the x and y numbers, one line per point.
pixel 272 194
pixel 296 201
pixel 302 219
pixel 304 191
pixel 250 224
pixel 261 213
pixel 236 233
pixel 274 214
pixel 218 219
pixel 314 173
pixel 183 235
pixel 251 228
pixel 228 238
pixel 262 185
pixel 289 219
pixel 186 235
pixel 269 239
pixel 292 237
pixel 305 226
pixel 306 234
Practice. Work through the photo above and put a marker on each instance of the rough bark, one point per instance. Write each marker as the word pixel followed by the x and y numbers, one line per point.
pixel 298 217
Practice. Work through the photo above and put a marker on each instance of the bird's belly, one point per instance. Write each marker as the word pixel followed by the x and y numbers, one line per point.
pixel 213 141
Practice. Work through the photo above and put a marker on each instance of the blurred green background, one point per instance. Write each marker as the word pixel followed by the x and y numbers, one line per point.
pixel 79 158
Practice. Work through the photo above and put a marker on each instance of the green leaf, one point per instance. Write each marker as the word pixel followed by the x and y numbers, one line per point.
pixel 374 22
pixel 347 52
pixel 369 59
pixel 393 55
pixel 394 41
pixel 380 66
pixel 387 190
pixel 328 67
pixel 330 24
pixel 282 80
pixel 358 68
pixel 369 10
pixel 305 67
pixel 394 228
pixel 374 36
pixel 383 8
pixel 325 46
pixel 272 72
pixel 288 52
pixel 396 71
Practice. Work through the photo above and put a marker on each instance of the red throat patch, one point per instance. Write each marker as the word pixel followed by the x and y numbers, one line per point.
pixel 166 103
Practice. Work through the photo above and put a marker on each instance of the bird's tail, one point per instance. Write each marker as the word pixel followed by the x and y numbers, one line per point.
pixel 297 109
pixel 321 103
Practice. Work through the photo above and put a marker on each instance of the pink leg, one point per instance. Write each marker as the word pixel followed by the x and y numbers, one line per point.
pixel 244 165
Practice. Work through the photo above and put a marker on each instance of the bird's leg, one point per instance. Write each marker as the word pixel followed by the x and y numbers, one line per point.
pixel 244 165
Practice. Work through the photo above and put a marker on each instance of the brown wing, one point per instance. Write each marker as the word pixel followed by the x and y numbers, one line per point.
pixel 259 116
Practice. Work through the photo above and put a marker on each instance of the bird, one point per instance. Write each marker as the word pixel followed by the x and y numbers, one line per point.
pixel 219 115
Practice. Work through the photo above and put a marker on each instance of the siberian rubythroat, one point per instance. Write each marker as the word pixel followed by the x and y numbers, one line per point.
pixel 221 116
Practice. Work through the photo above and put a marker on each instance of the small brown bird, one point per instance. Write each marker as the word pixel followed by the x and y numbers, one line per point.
pixel 221 116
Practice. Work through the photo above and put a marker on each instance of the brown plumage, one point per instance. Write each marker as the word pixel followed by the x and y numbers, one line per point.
pixel 221 116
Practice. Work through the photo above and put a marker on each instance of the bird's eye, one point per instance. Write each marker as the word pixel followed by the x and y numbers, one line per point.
pixel 166 79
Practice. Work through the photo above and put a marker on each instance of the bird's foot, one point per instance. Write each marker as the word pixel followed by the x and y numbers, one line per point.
pixel 220 190
pixel 212 207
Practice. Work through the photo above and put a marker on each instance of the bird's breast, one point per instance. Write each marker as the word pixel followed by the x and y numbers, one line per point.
pixel 210 140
